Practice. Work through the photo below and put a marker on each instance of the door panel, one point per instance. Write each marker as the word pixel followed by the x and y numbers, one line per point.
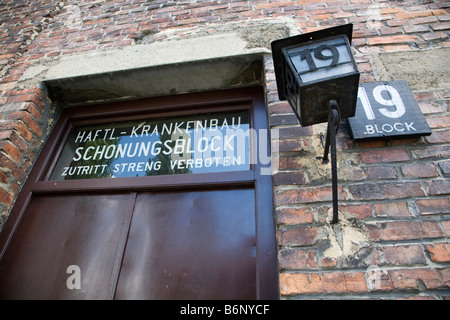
pixel 59 231
pixel 191 245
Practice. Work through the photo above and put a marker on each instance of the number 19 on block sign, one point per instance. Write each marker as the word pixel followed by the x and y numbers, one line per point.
pixel 386 110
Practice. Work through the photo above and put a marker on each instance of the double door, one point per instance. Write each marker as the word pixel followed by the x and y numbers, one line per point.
pixel 171 245
pixel 142 228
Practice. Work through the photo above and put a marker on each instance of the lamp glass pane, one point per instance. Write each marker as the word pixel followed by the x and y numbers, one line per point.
pixel 322 59
pixel 320 74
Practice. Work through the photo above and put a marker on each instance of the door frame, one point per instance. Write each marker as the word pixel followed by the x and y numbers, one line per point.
pixel 250 98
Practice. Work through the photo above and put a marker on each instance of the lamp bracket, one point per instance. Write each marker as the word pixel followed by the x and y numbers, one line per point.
pixel 334 120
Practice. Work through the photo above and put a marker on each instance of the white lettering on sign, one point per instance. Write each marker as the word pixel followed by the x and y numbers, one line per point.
pixel 387 109
pixel 394 101
pixel 388 128
pixel 157 147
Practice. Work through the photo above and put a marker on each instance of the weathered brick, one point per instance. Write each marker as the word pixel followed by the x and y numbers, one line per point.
pixel 289 178
pixel 289 146
pixel 14 169
pixel 404 255
pixel 306 195
pixel 392 209
pixel 445 167
pixel 404 230
pixel 381 172
pixel 11 150
pixel 19 127
pixel 439 121
pixel 5 197
pixel 299 283
pixel 395 39
pixel 330 282
pixel 294 215
pixel 385 190
pixel 361 211
pixel 298 236
pixel 413 279
pixel 437 187
pixel 28 120
pixel 385 155
pixel 439 252
pixel 294 258
pixel 295 132
pixel 446 227
pixel 3 177
pixel 433 206
pixel 419 14
pixel 441 136
pixel 31 97
pixel 419 170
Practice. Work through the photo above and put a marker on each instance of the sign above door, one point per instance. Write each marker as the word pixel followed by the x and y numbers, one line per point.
pixel 177 145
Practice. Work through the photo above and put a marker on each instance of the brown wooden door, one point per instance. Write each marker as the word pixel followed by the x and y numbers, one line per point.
pixel 181 245
pixel 60 231
pixel 191 245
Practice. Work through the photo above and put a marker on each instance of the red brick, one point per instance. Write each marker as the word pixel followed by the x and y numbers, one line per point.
pixel 419 170
pixel 378 279
pixel 294 215
pixel 420 14
pixel 437 187
pixel 27 119
pixel 385 155
pixel 446 227
pixel 355 282
pixel 434 36
pixel 405 230
pixel 333 282
pixel 391 10
pixel 393 39
pixel 381 172
pixel 305 195
pixel 391 48
pixel 16 171
pixel 439 122
pixel 385 190
pixel 298 236
pixel 3 177
pixel 289 146
pixel 329 282
pixel 392 209
pixel 439 252
pixel 5 197
pixel 299 283
pixel 362 211
pixel 408 279
pixel 433 206
pixel 404 255
pixel 289 178
pixel 293 258
pixel 11 150
pixel 31 97
pixel 274 5
pixel 441 136
pixel 295 132
pixel 19 127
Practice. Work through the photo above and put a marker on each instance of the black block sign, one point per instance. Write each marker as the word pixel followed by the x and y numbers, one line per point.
pixel 385 110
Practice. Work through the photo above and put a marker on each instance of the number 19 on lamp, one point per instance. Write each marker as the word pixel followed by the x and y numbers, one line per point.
pixel 315 68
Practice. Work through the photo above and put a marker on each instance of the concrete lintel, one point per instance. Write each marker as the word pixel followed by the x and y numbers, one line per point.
pixel 166 79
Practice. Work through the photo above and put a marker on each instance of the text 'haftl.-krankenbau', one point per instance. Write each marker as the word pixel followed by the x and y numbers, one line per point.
pixel 147 148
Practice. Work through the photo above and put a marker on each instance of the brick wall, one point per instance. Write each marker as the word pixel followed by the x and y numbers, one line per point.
pixel 392 240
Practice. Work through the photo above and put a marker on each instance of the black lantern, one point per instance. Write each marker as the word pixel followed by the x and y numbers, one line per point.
pixel 317 74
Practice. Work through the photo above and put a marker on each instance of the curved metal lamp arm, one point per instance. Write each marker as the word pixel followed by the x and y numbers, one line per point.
pixel 334 120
